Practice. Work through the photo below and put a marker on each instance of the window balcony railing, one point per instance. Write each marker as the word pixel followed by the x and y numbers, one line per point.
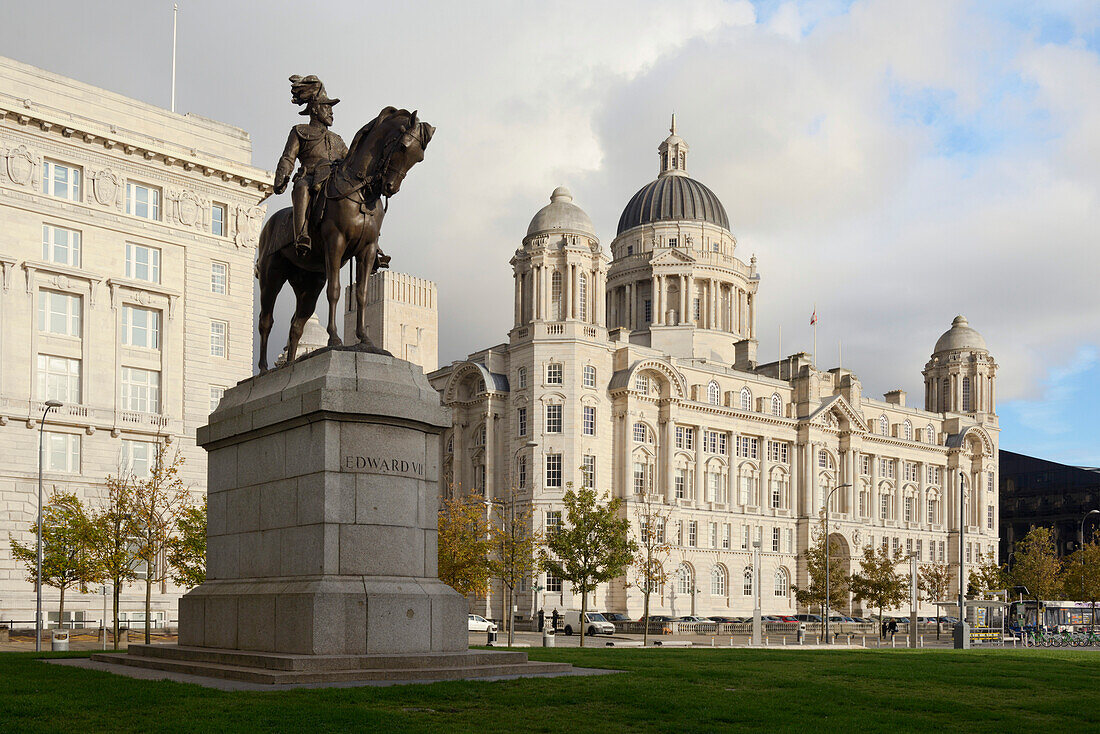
pixel 85 416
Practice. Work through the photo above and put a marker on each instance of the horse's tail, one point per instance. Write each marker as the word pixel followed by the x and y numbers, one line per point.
pixel 274 228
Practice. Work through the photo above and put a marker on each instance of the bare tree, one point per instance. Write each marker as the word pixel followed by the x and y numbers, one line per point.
pixel 159 500
pixel 648 570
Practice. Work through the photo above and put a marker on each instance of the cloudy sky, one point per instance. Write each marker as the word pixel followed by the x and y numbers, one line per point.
pixel 895 163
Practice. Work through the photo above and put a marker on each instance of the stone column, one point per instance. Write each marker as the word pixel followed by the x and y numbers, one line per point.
pixel 630 308
pixel 700 469
pixel 490 450
pixel 670 460
pixel 655 299
pixel 566 303
pixel 519 299
pixel 689 295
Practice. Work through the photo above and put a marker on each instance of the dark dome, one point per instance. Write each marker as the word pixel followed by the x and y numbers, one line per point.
pixel 673 197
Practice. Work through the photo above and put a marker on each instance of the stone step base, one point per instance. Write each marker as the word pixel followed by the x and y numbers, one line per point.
pixel 274 668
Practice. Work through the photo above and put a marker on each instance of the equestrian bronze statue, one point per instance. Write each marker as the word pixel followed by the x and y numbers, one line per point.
pixel 338 209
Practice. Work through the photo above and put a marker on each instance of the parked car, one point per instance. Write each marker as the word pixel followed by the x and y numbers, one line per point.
pixel 614 617
pixel 840 618
pixel 806 618
pixel 771 618
pixel 478 623
pixel 657 618
pixel 593 624
pixel 724 620
pixel 690 618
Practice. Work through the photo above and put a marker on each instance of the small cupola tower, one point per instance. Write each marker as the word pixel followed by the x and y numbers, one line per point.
pixel 560 270
pixel 673 152
pixel 961 375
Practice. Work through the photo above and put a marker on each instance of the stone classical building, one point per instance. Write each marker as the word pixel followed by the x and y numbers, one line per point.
pixel 402 317
pixel 639 375
pixel 126 251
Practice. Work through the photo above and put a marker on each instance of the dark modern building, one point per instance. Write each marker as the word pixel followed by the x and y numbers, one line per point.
pixel 1045 493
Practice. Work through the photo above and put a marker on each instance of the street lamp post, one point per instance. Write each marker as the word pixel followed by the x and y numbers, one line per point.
pixel 828 499
pixel 1081 544
pixel 757 618
pixel 509 615
pixel 50 405
pixel 962 630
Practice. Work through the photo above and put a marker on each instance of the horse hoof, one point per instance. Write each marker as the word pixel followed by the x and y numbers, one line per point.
pixel 334 341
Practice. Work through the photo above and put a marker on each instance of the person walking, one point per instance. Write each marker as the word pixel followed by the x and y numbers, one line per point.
pixel 542 620
pixel 893 627
pixel 554 619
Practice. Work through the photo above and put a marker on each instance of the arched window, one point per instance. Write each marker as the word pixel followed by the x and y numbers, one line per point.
pixel 685 583
pixel 450 444
pixel 933 509
pixel 966 395
pixel 641 384
pixel 746 586
pixel 883 425
pixel 782 582
pixel 481 385
pixel 907 430
pixel 589 376
pixel 824 460
pixel 555 296
pixel 641 433
pixel 718 578
pixel 746 399
pixel 481 435
pixel 777 405
pixel 521 377
pixel 582 296
pixel 930 434
pixel 714 394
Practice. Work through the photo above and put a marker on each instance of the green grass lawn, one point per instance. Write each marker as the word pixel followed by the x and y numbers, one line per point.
pixel 1046 691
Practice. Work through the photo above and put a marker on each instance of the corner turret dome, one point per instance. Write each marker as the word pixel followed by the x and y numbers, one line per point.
pixel 960 336
pixel 673 196
pixel 561 215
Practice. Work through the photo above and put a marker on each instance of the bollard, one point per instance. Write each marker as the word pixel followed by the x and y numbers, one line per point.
pixel 892 641
pixel 731 642
pixel 865 641
pixel 817 639
pixel 765 640
pixel 712 642
pixel 784 640
pixel 922 640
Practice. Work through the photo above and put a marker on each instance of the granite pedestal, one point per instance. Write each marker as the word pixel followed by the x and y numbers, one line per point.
pixel 322 528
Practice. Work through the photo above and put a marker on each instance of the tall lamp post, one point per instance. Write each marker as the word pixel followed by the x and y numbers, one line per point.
pixel 1081 544
pixel 757 618
pixel 962 630
pixel 50 405
pixel 828 499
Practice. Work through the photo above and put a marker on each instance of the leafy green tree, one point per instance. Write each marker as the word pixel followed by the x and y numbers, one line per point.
pixel 648 568
pixel 593 545
pixel 1035 564
pixel 113 548
pixel 68 557
pixel 159 500
pixel 877 582
pixel 987 576
pixel 813 595
pixel 187 549
pixel 1082 576
pixel 515 554
pixel 465 542
pixel 934 584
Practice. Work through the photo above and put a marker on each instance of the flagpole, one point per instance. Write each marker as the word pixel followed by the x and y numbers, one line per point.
pixel 839 354
pixel 815 336
pixel 779 357
pixel 175 14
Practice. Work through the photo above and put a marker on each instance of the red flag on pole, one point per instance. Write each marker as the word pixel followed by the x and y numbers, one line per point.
pixel 813 319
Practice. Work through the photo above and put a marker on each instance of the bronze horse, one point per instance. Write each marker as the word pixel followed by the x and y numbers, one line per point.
pixel 345 222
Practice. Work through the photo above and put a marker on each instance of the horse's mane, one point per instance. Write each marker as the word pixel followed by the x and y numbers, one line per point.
pixel 364 132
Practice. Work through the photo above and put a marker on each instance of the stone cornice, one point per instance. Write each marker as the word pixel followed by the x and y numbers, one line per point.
pixel 133 143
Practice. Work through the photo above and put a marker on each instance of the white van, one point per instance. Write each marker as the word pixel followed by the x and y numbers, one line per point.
pixel 595 623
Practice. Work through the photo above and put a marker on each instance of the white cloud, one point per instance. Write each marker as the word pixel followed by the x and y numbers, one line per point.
pixel 897 163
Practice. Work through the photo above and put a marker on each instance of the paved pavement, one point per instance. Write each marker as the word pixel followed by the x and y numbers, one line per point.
pixel 89 640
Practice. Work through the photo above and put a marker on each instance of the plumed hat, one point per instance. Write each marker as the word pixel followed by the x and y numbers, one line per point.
pixel 309 90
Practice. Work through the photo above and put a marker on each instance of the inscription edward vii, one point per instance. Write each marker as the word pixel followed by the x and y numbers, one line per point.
pixel 378 465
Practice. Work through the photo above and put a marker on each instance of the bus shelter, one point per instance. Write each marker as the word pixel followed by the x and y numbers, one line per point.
pixel 986 618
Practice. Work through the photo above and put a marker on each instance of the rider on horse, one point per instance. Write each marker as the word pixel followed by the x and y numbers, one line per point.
pixel 315 146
